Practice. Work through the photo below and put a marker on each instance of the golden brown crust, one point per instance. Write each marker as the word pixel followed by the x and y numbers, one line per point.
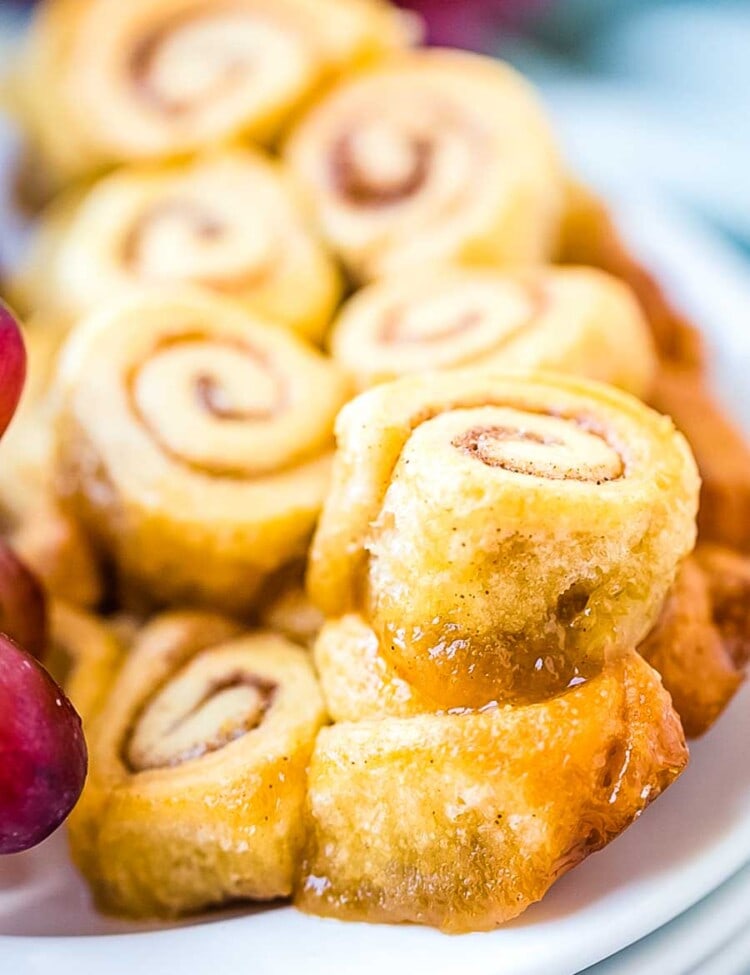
pixel 463 820
pixel 575 320
pixel 103 82
pixel 229 221
pixel 432 156
pixel 728 580
pixel 721 452
pixel 197 769
pixel 701 642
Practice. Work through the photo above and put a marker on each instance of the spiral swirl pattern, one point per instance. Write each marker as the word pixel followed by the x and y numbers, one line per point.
pixel 110 82
pixel 211 704
pixel 503 537
pixel 211 432
pixel 439 155
pixel 197 774
pixel 573 319
pixel 540 446
pixel 228 222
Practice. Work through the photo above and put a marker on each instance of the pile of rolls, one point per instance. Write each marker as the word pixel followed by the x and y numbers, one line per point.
pixel 348 462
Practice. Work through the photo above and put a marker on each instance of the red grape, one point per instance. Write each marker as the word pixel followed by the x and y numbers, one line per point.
pixel 12 366
pixel 43 755
pixel 23 606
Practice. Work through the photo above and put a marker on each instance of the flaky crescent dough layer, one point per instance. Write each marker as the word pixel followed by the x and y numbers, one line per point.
pixel 575 320
pixel 435 155
pixel 194 442
pixel 359 683
pixel 197 778
pixel 105 81
pixel 463 820
pixel 502 535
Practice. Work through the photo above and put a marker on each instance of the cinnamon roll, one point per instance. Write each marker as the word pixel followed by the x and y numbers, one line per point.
pixel 720 449
pixel 194 444
pixel 228 222
pixel 197 770
pixel 575 320
pixel 502 536
pixel 701 643
pixel 589 236
pixel 104 81
pixel 435 155
pixel 506 801
pixel 84 657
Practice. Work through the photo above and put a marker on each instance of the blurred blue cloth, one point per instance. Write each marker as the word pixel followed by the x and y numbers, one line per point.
pixel 656 94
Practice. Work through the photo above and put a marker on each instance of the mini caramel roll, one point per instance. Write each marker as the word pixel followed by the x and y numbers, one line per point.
pixel 197 770
pixel 701 642
pixel 503 535
pixel 721 451
pixel 574 320
pixel 194 443
pixel 436 155
pixel 84 657
pixel 228 222
pixel 462 821
pixel 589 236
pixel 104 81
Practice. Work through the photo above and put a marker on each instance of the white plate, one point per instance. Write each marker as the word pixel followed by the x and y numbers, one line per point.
pixel 684 847
pixel 712 938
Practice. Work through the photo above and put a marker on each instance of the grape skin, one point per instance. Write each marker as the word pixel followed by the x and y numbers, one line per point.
pixel 43 757
pixel 12 366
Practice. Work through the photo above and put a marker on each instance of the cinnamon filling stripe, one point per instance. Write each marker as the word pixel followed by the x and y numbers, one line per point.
pixel 142 60
pixel 231 707
pixel 396 156
pixel 354 183
pixel 561 461
pixel 395 326
pixel 206 228
pixel 210 396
